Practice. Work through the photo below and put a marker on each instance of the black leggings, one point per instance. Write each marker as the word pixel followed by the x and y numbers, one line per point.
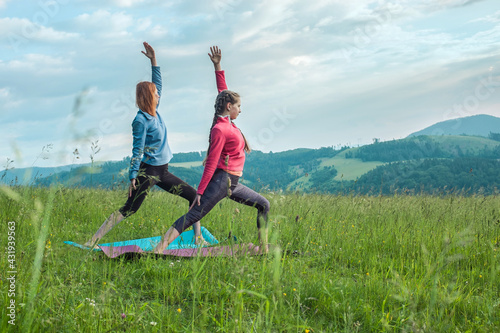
pixel 151 175
pixel 224 185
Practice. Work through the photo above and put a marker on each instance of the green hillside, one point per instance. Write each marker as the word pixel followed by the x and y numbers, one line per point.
pixel 447 161
pixel 463 175
pixel 349 168
pixel 468 145
pixel 432 162
pixel 427 147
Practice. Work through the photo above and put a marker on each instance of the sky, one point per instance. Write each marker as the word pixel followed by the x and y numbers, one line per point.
pixel 311 73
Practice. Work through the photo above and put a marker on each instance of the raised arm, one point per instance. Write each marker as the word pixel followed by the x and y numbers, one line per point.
pixel 220 78
pixel 156 74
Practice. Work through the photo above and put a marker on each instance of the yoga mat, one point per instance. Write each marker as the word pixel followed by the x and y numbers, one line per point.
pixel 216 251
pixel 186 240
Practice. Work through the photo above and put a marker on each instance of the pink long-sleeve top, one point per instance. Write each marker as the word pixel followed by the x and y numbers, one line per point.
pixel 226 145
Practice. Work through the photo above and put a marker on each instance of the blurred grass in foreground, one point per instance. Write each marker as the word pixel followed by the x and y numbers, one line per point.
pixel 406 263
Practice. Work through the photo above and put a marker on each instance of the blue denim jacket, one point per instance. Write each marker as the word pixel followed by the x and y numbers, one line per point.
pixel 150 136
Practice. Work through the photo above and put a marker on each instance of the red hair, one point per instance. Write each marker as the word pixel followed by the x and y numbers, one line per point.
pixel 145 97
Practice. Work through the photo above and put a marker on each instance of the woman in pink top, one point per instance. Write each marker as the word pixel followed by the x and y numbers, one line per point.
pixel 223 165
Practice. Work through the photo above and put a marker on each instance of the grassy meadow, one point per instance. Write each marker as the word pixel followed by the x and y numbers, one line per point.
pixel 340 264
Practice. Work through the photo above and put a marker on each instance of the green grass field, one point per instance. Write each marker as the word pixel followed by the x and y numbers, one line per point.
pixel 365 264
pixel 466 143
pixel 347 169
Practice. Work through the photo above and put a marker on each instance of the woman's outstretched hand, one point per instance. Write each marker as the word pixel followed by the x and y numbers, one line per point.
pixel 196 201
pixel 150 53
pixel 216 56
pixel 131 187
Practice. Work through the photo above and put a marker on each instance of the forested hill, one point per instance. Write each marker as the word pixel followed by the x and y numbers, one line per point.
pixel 479 125
pixel 424 164
pixel 428 147
pixel 271 171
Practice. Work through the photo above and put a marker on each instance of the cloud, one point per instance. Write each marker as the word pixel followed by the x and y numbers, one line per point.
pixel 7 101
pixel 127 3
pixel 3 3
pixel 157 32
pixel 495 18
pixel 19 31
pixel 266 15
pixel 329 63
pixel 38 64
pixel 143 23
pixel 104 24
pixel 438 5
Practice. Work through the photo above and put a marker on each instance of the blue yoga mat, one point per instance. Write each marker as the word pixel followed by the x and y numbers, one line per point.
pixel 186 240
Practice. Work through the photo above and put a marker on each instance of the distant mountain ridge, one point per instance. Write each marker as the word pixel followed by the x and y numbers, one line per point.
pixel 480 125
pixel 27 176
pixel 444 164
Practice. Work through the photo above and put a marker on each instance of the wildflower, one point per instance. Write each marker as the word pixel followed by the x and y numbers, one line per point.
pixel 284 294
pixel 153 323
pixel 480 276
pixel 367 274
pixel 179 310
pixel 124 315
pixel 294 289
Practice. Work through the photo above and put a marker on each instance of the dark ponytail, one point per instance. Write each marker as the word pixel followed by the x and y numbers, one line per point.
pixel 224 97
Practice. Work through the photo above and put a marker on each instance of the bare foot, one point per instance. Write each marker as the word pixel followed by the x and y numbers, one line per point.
pixel 264 249
pixel 89 245
pixel 201 242
pixel 157 251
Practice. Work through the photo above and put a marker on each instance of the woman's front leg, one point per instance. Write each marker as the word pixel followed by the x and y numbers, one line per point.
pixel 215 192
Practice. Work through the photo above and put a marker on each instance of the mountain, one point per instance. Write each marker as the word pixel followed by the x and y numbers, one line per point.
pixel 480 125
pixel 466 164
pixel 28 176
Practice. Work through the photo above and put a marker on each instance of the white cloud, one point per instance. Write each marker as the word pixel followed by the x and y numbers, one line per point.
pixel 266 15
pixel 179 51
pixel 3 3
pixel 278 54
pixel 269 39
pixel 143 23
pixel 127 3
pixel 22 30
pixel 188 141
pixel 7 100
pixel 325 21
pixel 38 64
pixel 105 24
pixel 157 32
pixel 441 4
pixel 4 93
pixel 495 18
pixel 300 60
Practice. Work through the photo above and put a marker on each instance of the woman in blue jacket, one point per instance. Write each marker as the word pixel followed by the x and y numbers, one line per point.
pixel 150 155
